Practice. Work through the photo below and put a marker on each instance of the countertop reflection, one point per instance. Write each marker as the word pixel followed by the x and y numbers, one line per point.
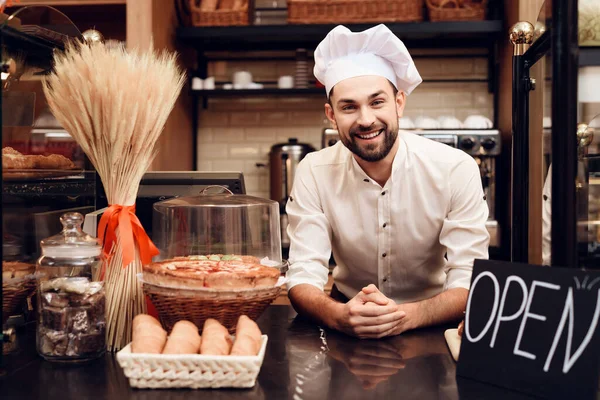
pixel 326 365
pixel 302 362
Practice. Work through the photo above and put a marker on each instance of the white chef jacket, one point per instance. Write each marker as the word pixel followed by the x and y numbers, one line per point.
pixel 547 219
pixel 394 236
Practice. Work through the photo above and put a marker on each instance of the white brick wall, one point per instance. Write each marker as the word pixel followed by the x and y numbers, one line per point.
pixel 237 133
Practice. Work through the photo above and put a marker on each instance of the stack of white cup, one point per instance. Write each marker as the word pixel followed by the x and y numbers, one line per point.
pixel 203 84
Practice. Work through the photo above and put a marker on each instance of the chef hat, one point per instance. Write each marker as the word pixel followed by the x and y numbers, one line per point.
pixel 376 51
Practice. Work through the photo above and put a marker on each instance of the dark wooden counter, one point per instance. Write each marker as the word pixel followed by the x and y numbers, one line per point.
pixel 302 363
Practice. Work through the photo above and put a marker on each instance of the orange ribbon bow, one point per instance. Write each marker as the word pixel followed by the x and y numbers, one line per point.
pixel 131 233
pixel 9 3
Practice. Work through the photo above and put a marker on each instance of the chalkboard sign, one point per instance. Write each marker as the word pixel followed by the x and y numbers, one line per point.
pixel 533 329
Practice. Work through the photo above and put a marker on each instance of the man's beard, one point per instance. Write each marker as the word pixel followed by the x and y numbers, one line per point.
pixel 371 152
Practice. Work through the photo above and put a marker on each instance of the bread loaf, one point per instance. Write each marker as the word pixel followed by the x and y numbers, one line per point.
pixel 148 335
pixel 184 339
pixel 215 339
pixel 248 338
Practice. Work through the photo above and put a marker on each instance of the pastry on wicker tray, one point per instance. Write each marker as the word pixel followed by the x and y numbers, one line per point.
pixel 16 269
pixel 12 159
pixel 213 271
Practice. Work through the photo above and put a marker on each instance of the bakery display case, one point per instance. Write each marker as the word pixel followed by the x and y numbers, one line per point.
pixel 44 172
pixel 218 222
pixel 220 257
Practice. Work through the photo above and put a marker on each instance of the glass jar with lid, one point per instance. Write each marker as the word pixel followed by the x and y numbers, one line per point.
pixel 218 223
pixel 71 323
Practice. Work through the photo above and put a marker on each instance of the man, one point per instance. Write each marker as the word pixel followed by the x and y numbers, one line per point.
pixel 547 219
pixel 389 205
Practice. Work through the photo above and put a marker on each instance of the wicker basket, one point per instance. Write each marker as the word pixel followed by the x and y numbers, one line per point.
pixel 357 11
pixel 14 295
pixel 218 17
pixel 456 10
pixel 193 371
pixel 226 306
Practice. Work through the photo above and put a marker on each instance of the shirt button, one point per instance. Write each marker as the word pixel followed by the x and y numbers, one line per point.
pixel 384 224
pixel 366 180
pixel 384 255
pixel 383 193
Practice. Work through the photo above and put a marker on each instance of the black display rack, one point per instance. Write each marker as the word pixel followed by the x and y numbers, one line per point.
pixel 54 192
pixel 561 41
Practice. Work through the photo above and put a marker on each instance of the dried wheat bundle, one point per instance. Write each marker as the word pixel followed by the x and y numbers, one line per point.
pixel 115 102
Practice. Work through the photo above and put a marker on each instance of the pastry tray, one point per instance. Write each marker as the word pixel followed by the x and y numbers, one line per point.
pixel 194 371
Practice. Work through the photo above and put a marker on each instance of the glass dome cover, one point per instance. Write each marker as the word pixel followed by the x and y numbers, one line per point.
pixel 221 225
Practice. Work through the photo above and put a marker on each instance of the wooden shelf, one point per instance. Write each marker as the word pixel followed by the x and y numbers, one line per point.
pixel 274 37
pixel 270 91
pixel 258 92
pixel 69 2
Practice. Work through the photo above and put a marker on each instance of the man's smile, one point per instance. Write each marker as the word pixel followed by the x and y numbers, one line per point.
pixel 369 136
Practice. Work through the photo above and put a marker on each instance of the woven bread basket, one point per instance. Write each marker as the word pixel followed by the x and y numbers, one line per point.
pixel 193 371
pixel 226 306
pixel 456 10
pixel 219 17
pixel 353 11
pixel 14 295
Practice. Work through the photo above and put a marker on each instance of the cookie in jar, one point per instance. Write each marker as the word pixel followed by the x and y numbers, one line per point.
pixel 71 324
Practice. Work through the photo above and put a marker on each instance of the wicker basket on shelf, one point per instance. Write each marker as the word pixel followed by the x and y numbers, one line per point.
pixel 219 12
pixel 353 11
pixel 14 296
pixel 456 10
pixel 226 306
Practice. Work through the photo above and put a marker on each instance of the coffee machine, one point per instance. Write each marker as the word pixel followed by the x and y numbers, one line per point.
pixel 483 145
pixel 283 161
